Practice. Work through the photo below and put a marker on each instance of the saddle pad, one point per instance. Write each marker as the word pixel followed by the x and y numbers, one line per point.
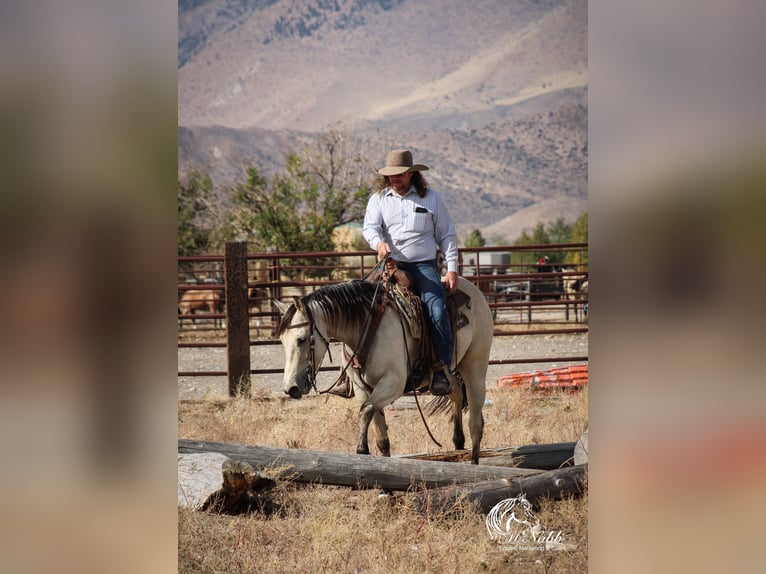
pixel 410 308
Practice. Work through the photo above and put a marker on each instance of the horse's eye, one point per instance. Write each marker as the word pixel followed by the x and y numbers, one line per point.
pixel 301 340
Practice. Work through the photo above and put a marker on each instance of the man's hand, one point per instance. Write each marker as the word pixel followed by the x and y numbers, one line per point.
pixel 383 249
pixel 451 281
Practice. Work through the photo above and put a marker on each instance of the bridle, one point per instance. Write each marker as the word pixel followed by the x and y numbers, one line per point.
pixel 312 367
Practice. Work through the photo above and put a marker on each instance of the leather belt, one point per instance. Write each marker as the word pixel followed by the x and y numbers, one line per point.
pixel 395 262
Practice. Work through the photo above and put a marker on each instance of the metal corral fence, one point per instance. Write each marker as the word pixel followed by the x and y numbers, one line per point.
pixel 227 300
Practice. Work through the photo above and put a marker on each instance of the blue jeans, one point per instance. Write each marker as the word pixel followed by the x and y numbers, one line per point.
pixel 428 285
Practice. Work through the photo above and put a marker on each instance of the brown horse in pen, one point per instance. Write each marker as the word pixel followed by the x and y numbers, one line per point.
pixel 208 301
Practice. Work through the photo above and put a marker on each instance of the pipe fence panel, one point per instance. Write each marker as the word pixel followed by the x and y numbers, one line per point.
pixel 227 301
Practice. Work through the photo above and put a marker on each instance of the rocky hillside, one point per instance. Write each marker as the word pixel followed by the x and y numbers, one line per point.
pixel 492 95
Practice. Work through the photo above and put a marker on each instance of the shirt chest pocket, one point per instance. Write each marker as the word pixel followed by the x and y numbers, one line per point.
pixel 422 221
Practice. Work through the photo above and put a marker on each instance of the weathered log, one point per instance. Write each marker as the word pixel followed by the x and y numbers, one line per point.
pixel 537 456
pixel 553 484
pixel 363 471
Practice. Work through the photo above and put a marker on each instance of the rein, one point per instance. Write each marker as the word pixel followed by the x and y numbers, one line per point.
pixel 373 319
pixel 415 391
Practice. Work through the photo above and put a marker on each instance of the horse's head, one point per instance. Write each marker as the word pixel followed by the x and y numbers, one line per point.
pixel 304 350
pixel 520 511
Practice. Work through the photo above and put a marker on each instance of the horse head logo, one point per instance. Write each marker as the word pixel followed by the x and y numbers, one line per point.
pixel 512 519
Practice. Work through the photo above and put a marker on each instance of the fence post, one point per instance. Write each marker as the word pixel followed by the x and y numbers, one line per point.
pixel 237 320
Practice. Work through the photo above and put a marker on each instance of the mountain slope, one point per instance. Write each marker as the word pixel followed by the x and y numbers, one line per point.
pixel 492 94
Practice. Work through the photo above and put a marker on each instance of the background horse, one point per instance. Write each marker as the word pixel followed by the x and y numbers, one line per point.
pixel 576 287
pixel 206 301
pixel 342 312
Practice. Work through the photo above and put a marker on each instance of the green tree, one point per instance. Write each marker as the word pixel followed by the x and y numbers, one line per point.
pixel 579 235
pixel 559 231
pixel 193 213
pixel 475 239
pixel 528 257
pixel 297 209
pixel 540 235
pixel 580 229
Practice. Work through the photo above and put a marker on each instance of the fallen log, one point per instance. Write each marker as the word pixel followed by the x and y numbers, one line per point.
pixel 536 456
pixel 553 484
pixel 363 471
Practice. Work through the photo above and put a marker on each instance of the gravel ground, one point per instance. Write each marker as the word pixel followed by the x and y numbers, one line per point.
pixel 271 356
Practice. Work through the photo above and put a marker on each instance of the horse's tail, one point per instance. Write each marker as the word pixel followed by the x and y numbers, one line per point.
pixel 442 404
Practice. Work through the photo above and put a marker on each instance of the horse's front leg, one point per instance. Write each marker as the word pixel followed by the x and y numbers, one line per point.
pixel 365 416
pixel 369 414
pixel 388 389
pixel 381 433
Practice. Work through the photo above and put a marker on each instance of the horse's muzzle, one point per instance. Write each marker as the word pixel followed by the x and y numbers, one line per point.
pixel 294 392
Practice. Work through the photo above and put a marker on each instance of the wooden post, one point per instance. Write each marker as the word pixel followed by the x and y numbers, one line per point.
pixel 276 291
pixel 237 321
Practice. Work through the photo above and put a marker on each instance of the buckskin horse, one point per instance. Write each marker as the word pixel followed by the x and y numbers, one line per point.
pixel 344 312
pixel 193 300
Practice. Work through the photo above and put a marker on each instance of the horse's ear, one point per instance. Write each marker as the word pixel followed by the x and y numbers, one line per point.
pixel 298 303
pixel 283 307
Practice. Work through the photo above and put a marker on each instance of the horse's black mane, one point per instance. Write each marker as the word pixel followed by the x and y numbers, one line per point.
pixel 346 303
pixel 343 304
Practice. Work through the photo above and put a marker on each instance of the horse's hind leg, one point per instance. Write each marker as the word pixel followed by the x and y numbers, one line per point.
pixel 458 436
pixel 475 390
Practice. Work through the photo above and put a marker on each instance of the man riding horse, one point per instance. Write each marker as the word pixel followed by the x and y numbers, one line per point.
pixel 406 221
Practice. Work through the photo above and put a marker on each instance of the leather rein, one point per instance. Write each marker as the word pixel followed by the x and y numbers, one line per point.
pixel 367 335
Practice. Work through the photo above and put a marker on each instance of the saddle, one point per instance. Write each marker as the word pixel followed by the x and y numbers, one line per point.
pixel 396 291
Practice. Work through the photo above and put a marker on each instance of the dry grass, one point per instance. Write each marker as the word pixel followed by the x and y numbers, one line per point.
pixel 335 529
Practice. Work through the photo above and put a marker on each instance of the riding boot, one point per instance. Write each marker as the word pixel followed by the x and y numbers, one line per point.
pixel 441 380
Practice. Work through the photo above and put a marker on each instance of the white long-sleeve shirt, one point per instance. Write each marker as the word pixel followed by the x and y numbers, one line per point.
pixel 411 225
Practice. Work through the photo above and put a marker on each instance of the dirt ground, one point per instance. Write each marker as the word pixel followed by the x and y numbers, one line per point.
pixel 271 356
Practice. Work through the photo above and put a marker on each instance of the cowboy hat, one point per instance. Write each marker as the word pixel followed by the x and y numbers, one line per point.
pixel 398 162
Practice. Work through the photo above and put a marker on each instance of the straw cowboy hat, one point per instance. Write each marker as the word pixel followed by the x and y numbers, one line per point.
pixel 398 162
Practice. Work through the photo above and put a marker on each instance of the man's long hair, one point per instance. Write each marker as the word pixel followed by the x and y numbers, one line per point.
pixel 418 180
